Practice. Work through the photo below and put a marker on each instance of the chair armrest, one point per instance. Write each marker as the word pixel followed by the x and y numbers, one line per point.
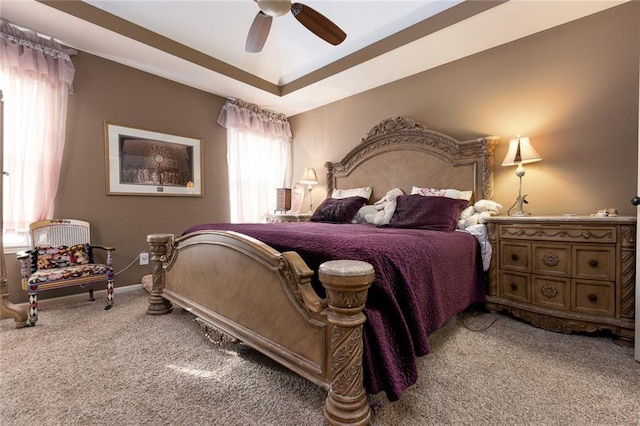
pixel 109 251
pixel 23 254
pixel 107 248
pixel 24 257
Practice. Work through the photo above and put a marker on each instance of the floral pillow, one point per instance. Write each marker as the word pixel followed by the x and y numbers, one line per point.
pixel 364 192
pixel 435 192
pixel 60 257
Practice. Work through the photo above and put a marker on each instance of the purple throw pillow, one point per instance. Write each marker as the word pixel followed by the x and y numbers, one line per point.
pixel 338 210
pixel 425 212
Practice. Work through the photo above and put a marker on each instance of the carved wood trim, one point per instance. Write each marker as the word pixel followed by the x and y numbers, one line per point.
pixel 493 265
pixel 346 401
pixel 627 283
pixel 571 234
pixel 552 322
pixel 627 271
pixel 214 334
pixel 405 133
pixel 550 259
pixel 298 278
pixel 549 291
pixel 159 249
pixel 628 236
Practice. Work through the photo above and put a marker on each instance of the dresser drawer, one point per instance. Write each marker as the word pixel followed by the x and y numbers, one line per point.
pixel 594 262
pixel 594 297
pixel 551 259
pixel 515 287
pixel 515 256
pixel 551 292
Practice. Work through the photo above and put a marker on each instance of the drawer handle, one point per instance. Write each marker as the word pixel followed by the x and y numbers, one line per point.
pixel 514 286
pixel 550 260
pixel 549 291
pixel 592 297
pixel 514 256
pixel 593 263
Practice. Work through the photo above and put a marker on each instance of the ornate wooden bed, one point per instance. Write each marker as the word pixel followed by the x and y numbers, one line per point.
pixel 253 293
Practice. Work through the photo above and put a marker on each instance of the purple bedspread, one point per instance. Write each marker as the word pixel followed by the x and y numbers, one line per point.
pixel 422 278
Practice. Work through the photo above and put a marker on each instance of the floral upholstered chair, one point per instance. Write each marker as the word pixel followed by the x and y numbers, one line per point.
pixel 61 255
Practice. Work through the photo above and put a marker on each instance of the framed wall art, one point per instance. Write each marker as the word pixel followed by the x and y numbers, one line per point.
pixel 147 162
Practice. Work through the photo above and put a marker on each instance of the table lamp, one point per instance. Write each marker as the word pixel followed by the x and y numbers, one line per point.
pixel 309 178
pixel 520 152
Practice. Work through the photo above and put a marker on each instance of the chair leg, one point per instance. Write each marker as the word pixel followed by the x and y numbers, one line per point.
pixel 91 299
pixel 33 305
pixel 109 291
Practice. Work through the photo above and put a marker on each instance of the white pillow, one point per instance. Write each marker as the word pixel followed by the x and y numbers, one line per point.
pixel 364 192
pixel 434 192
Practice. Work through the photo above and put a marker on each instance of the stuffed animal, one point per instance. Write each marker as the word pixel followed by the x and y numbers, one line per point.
pixel 487 206
pixel 477 213
pixel 385 208
pixel 147 282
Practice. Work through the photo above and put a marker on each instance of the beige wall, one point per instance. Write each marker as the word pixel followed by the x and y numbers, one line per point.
pixel 572 90
pixel 105 90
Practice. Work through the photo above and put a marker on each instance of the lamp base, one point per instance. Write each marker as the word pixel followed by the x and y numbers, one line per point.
pixel 520 202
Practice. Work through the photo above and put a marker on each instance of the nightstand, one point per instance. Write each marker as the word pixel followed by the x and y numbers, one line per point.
pixel 565 274
pixel 288 217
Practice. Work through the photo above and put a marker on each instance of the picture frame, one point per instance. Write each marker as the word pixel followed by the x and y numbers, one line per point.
pixel 142 161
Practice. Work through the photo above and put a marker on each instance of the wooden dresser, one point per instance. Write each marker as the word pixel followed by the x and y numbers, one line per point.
pixel 565 274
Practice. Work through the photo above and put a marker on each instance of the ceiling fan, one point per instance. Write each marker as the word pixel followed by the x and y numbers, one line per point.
pixel 310 18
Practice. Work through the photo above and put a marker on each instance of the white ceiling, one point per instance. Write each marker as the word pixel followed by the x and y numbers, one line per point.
pixel 201 43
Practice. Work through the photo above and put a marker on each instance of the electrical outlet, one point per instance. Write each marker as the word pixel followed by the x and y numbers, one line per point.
pixel 144 258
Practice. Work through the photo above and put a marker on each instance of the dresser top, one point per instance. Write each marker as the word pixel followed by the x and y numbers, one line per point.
pixel 563 219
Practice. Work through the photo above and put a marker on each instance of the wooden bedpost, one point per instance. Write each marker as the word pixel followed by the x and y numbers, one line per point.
pixel 158 244
pixel 347 283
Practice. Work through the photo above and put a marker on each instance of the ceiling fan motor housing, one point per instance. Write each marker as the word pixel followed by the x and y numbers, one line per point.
pixel 274 7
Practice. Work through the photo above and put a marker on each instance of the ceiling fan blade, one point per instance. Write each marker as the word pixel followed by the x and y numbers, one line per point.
pixel 318 24
pixel 258 33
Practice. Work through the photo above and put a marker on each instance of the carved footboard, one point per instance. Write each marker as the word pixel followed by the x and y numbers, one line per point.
pixel 248 290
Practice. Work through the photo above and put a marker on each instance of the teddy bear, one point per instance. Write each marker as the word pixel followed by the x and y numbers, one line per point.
pixel 385 208
pixel 478 212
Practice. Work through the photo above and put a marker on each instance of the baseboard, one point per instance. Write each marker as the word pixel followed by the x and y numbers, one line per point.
pixel 97 294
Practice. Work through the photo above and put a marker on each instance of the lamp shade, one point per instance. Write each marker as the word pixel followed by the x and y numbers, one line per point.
pixel 309 176
pixel 520 152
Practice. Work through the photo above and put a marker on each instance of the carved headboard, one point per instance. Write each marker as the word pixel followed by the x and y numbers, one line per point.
pixel 401 153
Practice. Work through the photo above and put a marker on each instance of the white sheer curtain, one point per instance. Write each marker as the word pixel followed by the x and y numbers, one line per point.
pixel 258 158
pixel 36 75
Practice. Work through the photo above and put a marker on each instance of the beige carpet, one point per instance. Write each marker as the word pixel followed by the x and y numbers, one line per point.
pixel 82 365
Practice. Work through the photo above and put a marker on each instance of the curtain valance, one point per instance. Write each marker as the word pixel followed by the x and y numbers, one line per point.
pixel 251 118
pixel 26 52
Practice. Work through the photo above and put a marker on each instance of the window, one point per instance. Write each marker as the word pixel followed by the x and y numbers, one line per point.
pixel 35 77
pixel 258 158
